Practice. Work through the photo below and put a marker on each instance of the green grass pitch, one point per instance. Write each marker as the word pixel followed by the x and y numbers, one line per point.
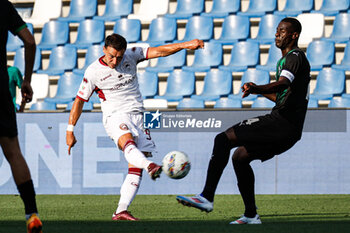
pixel 161 213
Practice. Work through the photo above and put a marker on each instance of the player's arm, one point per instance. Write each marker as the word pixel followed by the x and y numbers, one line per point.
pixel 166 50
pixel 268 90
pixel 74 115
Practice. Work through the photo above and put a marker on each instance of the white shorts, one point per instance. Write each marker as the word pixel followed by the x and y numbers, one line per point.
pixel 118 124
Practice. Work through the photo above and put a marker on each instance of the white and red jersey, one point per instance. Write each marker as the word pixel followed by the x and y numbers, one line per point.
pixel 117 88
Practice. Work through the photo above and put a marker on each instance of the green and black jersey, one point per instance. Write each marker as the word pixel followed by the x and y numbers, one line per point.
pixel 291 103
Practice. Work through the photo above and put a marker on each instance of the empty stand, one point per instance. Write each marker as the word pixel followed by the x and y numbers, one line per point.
pixel 130 29
pixel 199 27
pixel 44 10
pixel 81 10
pixel 187 8
pixel 115 9
pixel 296 7
pixel 333 7
pixel 167 64
pixel 93 53
pixel 258 8
pixel 234 28
pixel 150 9
pixel 329 82
pixel 222 8
pixel 19 60
pixel 162 30
pixel 228 103
pixel 54 33
pixel 148 84
pixel 90 31
pixel 320 54
pixel 88 106
pixel 43 106
pixel 190 104
pixel 14 42
pixel 262 102
pixel 274 55
pixel 267 28
pixel 312 27
pixel 345 63
pixel 339 102
pixel 341 29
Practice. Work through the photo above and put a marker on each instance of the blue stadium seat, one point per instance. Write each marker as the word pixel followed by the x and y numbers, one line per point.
pixel 234 28
pixel 208 57
pixel 262 102
pixel 187 8
pixel 94 99
pixel 179 84
pixel 80 10
pixel 93 53
pixel 296 7
pixel 162 30
pixel 190 104
pixel 341 29
pixel 320 54
pixel 267 28
pixel 222 8
pixel 18 60
pixel 244 54
pixel 274 55
pixel 115 9
pixel 43 106
pixel 217 83
pixel 258 77
pixel 148 84
pixel 199 27
pixel 329 82
pixel 90 32
pixel 228 103
pixel 333 7
pixel 62 58
pixel 88 106
pixel 313 103
pixel 67 88
pixel 14 42
pixel 167 64
pixel 130 29
pixel 258 8
pixel 54 33
pixel 345 63
pixel 339 102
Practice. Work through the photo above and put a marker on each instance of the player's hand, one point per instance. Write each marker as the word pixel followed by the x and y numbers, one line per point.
pixel 248 88
pixel 195 44
pixel 70 139
pixel 27 91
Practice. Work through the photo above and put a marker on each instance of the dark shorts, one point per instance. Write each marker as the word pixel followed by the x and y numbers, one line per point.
pixel 266 136
pixel 8 125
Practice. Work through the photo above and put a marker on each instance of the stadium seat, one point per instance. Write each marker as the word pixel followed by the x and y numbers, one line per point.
pixel 62 58
pixel 228 103
pixel 18 60
pixel 296 7
pixel 313 103
pixel 199 27
pixel 187 8
pixel 14 42
pixel 312 27
pixel 222 8
pixel 258 77
pixel 44 10
pixel 148 84
pixel 115 9
pixel 130 29
pixel 333 7
pixel 190 104
pixel 54 33
pixel 262 102
pixel 205 59
pixel 167 64
pixel 88 106
pixel 43 106
pixel 329 82
pixel 345 63
pixel 341 29
pixel 244 54
pixel 162 30
pixel 80 10
pixel 339 102
pixel 320 54
pixel 90 31
pixel 258 8
pixel 274 55
pixel 67 88
pixel 93 53
pixel 267 28
pixel 150 9
pixel 217 83
pixel 234 28
pixel 179 84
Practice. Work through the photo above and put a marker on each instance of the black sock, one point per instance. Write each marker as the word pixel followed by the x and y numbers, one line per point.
pixel 217 164
pixel 245 178
pixel 27 193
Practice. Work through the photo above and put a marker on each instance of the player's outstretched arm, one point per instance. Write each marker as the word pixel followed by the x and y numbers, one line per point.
pixel 74 115
pixel 166 50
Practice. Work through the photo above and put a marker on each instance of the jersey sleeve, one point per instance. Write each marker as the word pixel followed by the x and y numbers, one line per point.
pixel 139 53
pixel 86 88
pixel 15 22
pixel 292 65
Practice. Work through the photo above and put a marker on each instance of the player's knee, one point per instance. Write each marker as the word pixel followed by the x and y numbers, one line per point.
pixel 240 155
pixel 135 171
pixel 126 144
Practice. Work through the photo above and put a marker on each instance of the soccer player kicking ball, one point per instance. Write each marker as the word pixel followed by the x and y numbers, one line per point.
pixel 113 77
pixel 262 137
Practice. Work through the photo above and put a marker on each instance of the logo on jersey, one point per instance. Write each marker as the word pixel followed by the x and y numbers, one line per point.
pixel 123 127
pixel 152 120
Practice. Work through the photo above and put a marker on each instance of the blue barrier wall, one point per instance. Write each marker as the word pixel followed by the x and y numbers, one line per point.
pixel 318 164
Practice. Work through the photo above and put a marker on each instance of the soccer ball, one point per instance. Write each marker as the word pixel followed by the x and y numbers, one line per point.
pixel 176 164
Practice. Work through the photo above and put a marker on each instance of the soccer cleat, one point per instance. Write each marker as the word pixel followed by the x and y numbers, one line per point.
pixel 124 215
pixel 154 170
pixel 245 220
pixel 34 224
pixel 198 202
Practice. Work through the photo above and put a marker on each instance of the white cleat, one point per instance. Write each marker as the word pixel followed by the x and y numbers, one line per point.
pixel 198 202
pixel 246 220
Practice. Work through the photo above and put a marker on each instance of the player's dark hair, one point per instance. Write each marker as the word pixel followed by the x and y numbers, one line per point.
pixel 296 25
pixel 115 41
